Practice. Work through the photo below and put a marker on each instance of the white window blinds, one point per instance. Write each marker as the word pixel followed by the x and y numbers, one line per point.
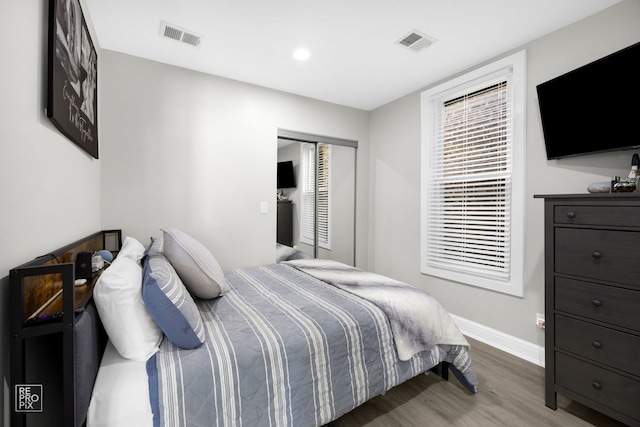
pixel 473 177
pixel 470 185
pixel 308 162
pixel 323 195
pixel 307 220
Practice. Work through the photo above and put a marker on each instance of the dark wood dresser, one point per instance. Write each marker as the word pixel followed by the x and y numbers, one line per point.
pixel 285 223
pixel 592 302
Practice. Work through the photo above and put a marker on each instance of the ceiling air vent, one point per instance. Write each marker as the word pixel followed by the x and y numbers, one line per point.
pixel 176 33
pixel 416 41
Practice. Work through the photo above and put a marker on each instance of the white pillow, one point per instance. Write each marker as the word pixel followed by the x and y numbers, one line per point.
pixel 195 265
pixel 131 248
pixel 118 297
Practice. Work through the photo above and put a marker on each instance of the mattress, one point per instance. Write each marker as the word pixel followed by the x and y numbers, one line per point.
pixel 120 394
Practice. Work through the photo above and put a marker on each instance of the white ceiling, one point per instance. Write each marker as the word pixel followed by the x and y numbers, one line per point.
pixel 355 60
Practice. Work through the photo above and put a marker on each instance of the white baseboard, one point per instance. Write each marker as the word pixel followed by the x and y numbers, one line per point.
pixel 518 347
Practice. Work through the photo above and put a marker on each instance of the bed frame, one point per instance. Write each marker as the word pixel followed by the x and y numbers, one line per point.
pixel 69 328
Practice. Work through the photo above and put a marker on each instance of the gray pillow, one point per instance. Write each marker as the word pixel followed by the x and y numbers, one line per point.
pixel 195 265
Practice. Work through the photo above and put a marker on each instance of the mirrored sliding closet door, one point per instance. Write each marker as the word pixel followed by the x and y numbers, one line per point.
pixel 316 195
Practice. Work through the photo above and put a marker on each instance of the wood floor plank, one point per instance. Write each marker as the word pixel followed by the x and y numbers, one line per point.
pixel 511 393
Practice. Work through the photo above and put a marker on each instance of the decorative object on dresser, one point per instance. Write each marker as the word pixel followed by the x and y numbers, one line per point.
pixel 592 299
pixel 600 187
pixel 50 330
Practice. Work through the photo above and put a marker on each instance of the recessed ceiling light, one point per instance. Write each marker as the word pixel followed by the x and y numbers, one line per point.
pixel 301 54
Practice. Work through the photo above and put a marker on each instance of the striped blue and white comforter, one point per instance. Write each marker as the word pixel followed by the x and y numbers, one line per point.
pixel 285 349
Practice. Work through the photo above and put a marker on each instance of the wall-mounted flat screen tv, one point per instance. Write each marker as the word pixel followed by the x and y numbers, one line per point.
pixel 286 178
pixel 594 108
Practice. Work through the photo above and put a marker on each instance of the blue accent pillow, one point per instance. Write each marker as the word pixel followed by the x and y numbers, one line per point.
pixel 169 303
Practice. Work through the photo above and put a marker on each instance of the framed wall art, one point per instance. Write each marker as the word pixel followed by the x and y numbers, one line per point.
pixel 72 93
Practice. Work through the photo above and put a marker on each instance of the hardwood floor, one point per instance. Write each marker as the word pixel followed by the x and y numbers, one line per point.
pixel 511 393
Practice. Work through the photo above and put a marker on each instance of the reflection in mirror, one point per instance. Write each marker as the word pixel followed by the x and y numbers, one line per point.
pixel 316 213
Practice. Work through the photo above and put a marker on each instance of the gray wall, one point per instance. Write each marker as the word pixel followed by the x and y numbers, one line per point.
pixel 394 178
pixel 197 152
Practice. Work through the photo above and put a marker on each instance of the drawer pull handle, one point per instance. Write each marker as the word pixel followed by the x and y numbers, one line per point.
pixel 596 344
pixel 596 302
pixel 596 385
pixel 596 255
pixel 571 215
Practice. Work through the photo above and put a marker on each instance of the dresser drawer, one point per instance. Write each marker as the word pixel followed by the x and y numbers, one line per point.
pixel 604 345
pixel 597 215
pixel 615 391
pixel 598 254
pixel 607 304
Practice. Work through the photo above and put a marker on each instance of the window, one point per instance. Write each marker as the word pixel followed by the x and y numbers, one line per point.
pixel 308 165
pixel 473 177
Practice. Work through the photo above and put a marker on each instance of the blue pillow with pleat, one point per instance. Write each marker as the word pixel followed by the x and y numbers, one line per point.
pixel 170 304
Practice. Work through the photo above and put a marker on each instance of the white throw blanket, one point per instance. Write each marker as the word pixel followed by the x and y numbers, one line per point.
pixel 418 321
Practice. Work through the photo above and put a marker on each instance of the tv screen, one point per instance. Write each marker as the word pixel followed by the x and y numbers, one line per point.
pixel 286 177
pixel 594 108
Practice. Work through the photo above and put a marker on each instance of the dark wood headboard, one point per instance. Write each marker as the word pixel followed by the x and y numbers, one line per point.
pixel 70 327
pixel 41 288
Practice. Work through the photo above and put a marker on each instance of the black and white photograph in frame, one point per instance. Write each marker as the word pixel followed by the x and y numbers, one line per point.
pixel 72 95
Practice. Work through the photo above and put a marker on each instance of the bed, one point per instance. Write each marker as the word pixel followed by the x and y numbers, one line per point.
pixel 288 253
pixel 296 343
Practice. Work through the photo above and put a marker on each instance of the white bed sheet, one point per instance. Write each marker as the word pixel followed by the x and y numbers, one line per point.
pixel 120 395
